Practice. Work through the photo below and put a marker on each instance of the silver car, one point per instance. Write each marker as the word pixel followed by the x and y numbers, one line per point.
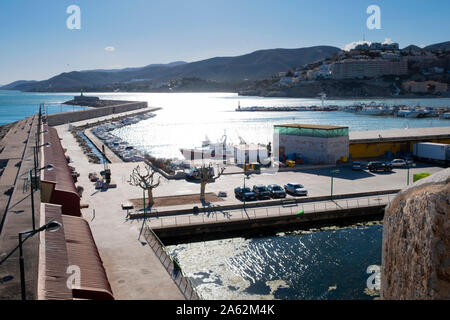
pixel 296 189
pixel 398 163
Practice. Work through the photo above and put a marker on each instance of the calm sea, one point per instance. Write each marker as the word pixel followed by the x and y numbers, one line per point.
pixel 318 264
pixel 15 105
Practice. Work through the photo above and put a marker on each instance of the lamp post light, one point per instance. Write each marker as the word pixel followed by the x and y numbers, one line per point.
pixel 32 189
pixel 51 226
pixel 36 155
pixel 246 177
pixel 409 167
pixel 333 171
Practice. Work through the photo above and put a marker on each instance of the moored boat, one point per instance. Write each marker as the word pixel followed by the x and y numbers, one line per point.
pixel 215 151
pixel 408 113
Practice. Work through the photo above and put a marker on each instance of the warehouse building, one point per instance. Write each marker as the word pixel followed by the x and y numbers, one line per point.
pixel 315 144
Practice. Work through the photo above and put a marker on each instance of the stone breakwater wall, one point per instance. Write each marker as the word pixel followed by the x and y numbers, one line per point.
pixel 75 116
pixel 416 241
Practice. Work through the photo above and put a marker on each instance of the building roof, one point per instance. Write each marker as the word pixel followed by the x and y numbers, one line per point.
pixel 54 155
pixel 310 126
pixel 399 134
pixel 53 259
pixel 71 245
pixel 82 252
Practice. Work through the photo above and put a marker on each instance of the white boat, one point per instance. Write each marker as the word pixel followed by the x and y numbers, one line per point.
pixel 408 113
pixel 446 115
pixel 428 113
pixel 218 151
pixel 387 111
pixel 353 108
pixel 371 111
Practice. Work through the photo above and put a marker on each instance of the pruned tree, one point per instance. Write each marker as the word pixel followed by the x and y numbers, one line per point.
pixel 206 175
pixel 145 180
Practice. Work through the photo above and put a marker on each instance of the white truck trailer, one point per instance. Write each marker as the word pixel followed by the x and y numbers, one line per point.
pixel 432 152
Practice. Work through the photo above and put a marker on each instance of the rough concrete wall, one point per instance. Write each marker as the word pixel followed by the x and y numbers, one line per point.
pixel 316 150
pixel 67 117
pixel 310 148
pixel 416 241
pixel 338 147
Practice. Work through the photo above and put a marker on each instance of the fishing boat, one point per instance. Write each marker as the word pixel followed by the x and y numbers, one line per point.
pixel 387 110
pixel 371 111
pixel 427 113
pixel 215 151
pixel 408 113
pixel 354 108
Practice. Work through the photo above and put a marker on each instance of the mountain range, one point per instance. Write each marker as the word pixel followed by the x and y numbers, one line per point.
pixel 257 65
pixel 439 46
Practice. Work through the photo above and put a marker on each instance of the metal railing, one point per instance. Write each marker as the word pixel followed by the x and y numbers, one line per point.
pixel 217 215
pixel 181 280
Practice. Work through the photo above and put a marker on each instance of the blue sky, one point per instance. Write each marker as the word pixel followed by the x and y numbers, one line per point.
pixel 36 44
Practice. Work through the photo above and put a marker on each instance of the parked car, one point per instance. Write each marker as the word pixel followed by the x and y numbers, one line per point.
pixel 241 192
pixel 375 166
pixel 409 161
pixel 296 189
pixel 398 163
pixel 261 192
pixel 276 191
pixel 357 166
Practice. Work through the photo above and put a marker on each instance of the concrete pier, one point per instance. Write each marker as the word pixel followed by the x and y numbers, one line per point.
pixel 134 270
pixel 219 223
pixel 75 116
pixel 16 209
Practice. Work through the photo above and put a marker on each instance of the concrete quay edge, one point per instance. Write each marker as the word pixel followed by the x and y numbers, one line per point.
pixel 263 204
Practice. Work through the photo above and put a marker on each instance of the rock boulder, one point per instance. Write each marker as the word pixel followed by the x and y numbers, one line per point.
pixel 416 241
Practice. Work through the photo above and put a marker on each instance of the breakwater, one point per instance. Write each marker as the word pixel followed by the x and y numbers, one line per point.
pixel 67 117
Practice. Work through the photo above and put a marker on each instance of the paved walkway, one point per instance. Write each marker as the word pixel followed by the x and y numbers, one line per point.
pixel 133 269
pixel 15 209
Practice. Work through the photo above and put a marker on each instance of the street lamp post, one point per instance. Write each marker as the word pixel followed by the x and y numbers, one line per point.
pixel 51 226
pixel 333 171
pixel 32 189
pixel 245 178
pixel 409 167
pixel 32 201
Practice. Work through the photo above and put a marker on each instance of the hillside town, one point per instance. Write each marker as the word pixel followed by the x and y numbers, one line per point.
pixel 409 71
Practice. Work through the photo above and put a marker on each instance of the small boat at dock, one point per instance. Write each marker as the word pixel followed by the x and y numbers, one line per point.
pixel 446 115
pixel 408 113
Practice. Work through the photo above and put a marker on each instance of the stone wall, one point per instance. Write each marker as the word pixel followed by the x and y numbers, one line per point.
pixel 416 241
pixel 67 117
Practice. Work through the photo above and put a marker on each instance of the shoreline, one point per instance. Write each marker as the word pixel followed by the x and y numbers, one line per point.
pixel 88 104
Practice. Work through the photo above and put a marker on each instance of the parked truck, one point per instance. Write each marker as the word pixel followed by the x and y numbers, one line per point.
pixel 432 152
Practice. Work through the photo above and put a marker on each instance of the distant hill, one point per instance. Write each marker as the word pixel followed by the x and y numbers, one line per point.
pixel 412 48
pixel 437 46
pixel 15 84
pixel 254 66
pixel 172 64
